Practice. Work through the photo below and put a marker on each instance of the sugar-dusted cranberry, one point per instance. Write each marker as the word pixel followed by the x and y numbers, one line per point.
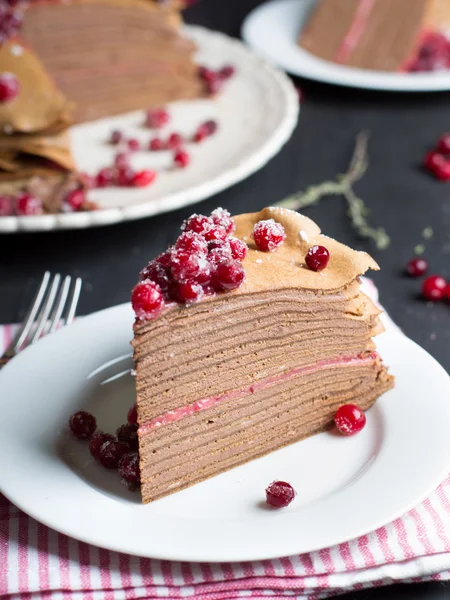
pixel 219 253
pixel 144 178
pixel 10 21
pixel 175 140
pixel 104 177
pixel 268 235
pixel 215 232
pixel 197 223
pixel 157 273
pixel 129 467
pixel 97 440
pixel 227 71
pixel 189 241
pixel 110 453
pixel 443 144
pixel 157 118
pixel 164 258
pixel 238 248
pixel 122 160
pixel 124 176
pixel 75 199
pixel 133 144
pixel 28 205
pixel 438 164
pixel 317 258
pixel 189 291
pixel 221 217
pixel 417 267
pixel 147 299
pixel 279 494
pixel 132 415
pixel 82 424
pixel 349 419
pixel 228 275
pixel 156 144
pixel 447 292
pixel 6 206
pixel 127 433
pixel 9 87
pixel 116 137
pixel 181 159
pixel 186 266
pixel 433 288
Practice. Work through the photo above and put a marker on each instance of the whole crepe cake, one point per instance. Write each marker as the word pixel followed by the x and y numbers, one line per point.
pixel 74 61
pixel 250 333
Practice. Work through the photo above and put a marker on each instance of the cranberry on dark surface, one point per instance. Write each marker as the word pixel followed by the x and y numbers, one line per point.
pixel 447 292
pixel 189 292
pixel 9 87
pixel 238 249
pixel 75 199
pixel 434 160
pixel 147 299
pixel 227 71
pixel 157 118
pixel 132 415
pixel 28 205
pixel 156 144
pixel 417 267
pixel 189 241
pixel 349 419
pixel 268 235
pixel 433 288
pixel 144 178
pixel 6 206
pixel 222 217
pixel 197 223
pixel 127 433
pixel 317 258
pixel 116 137
pixel 228 275
pixel 181 159
pixel 97 440
pixel 104 177
pixel 82 424
pixel 280 494
pixel 129 467
pixel 443 144
pixel 133 144
pixel 110 453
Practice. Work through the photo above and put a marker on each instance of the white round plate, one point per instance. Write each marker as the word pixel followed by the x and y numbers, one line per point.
pixel 272 30
pixel 345 487
pixel 256 113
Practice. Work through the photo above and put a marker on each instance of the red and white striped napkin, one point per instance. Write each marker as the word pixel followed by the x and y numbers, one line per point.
pixel 37 562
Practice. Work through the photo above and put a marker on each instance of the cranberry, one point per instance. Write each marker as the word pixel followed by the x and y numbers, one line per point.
pixel 125 177
pixel 197 223
pixel 317 258
pixel 87 180
pixel 268 235
pixel 122 160
pixel 110 452
pixel 433 288
pixel 132 414
pixel 221 217
pixel 128 434
pixel 147 299
pixel 227 71
pixel 157 118
pixel 211 126
pixel 443 144
pixel 75 199
pixel 437 164
pixel 28 205
pixel 205 130
pixel 164 258
pixel 417 267
pixel 129 467
pixel 189 291
pixel 144 178
pixel 200 135
pixel 181 159
pixel 156 144
pixel 116 137
pixel 174 141
pixel 215 233
pixel 447 292
pixel 279 494
pixel 133 144
pixel 214 87
pixel 220 254
pixel 186 266
pixel 97 441
pixel 6 206
pixel 207 74
pixel 238 249
pixel 349 419
pixel 9 87
pixel 192 242
pixel 228 275
pixel 82 424
pixel 156 273
pixel 104 177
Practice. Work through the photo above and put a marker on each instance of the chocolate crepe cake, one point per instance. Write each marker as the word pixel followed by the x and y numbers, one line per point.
pixel 77 61
pixel 241 348
pixel 383 35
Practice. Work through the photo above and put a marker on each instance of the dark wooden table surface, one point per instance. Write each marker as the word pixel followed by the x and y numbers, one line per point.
pixel 401 198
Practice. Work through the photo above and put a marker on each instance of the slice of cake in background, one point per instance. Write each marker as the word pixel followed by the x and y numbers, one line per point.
pixel 241 348
pixel 382 35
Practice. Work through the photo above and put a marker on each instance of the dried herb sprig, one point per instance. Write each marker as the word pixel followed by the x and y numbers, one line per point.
pixel 343 186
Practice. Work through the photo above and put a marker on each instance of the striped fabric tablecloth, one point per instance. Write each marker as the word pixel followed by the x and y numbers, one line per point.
pixel 37 562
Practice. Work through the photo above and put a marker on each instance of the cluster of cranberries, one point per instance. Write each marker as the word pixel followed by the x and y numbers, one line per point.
pixel 205 259
pixel 214 80
pixel 28 205
pixel 118 451
pixel 437 161
pixel 434 287
pixel 349 419
pixel 434 54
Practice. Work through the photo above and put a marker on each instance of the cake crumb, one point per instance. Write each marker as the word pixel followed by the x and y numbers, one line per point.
pixel 171 355
pixel 303 235
pixel 258 260
pixel 16 50
pixel 7 129
pixel 133 372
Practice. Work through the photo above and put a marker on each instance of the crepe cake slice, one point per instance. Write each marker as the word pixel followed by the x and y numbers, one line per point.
pixel 242 372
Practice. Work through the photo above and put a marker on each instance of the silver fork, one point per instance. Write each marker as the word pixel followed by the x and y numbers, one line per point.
pixel 46 312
